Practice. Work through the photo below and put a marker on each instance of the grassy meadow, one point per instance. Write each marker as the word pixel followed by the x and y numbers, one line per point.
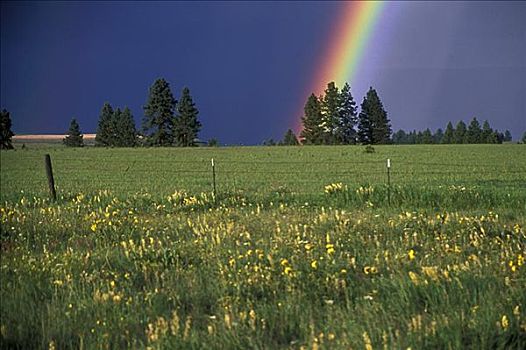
pixel 300 248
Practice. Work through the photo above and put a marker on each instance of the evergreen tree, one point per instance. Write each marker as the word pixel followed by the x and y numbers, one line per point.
pixel 400 137
pixel 5 130
pixel 474 132
pixel 158 122
pixel 330 110
pixel 126 134
pixel 449 134
pixel 105 132
pixel 498 136
pixel 427 136
pixel 347 119
pixel 493 138
pixel 419 138
pixel 114 127
pixel 186 124
pixel 269 142
pixel 411 137
pixel 312 133
pixel 507 136
pixel 74 136
pixel 524 138
pixel 365 128
pixel 460 133
pixel 437 137
pixel 289 139
pixel 373 124
pixel 487 135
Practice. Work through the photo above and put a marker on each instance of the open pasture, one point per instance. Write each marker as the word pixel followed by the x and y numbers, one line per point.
pixel 301 248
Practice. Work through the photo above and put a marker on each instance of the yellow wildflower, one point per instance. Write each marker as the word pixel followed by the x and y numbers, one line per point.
pixel 414 278
pixel 504 322
pixel 516 311
pixel 367 341
pixel 431 271
pixel 369 270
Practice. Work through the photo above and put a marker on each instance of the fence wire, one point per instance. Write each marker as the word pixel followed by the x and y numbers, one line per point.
pixel 298 176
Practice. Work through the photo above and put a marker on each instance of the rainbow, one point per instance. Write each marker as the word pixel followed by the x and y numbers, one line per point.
pixel 347 46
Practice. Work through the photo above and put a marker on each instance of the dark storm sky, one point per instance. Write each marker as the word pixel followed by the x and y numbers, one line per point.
pixel 248 64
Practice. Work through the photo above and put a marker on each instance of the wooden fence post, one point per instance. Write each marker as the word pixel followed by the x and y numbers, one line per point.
pixel 388 181
pixel 214 177
pixel 50 180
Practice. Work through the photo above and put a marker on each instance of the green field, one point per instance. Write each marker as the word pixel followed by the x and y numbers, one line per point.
pixel 301 247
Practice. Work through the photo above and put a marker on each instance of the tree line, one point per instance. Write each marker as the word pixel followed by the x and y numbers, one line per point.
pixel 333 119
pixel 166 122
pixel 473 133
pixel 329 119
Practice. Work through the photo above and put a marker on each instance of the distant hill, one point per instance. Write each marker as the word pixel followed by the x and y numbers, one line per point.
pixel 89 139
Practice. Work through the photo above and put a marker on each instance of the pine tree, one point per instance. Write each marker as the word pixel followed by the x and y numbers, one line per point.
pixel 186 124
pixel 400 137
pixel 487 135
pixel 507 136
pixel 373 125
pixel 365 128
pixel 498 136
pixel 449 134
pixel 437 137
pixel 312 133
pixel 524 138
pixel 419 138
pixel 411 137
pixel 269 142
pixel 347 119
pixel 330 110
pixel 5 130
pixel 126 134
pixel 460 133
pixel 105 133
pixel 74 136
pixel 115 140
pixel 289 139
pixel 158 122
pixel 474 132
pixel 427 137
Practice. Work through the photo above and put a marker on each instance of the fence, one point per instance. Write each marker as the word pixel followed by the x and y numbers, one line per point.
pixel 299 177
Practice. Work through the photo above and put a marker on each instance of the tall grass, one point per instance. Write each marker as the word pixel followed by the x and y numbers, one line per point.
pixel 324 263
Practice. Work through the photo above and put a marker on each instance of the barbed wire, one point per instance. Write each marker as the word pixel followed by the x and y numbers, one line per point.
pixel 174 161
pixel 270 176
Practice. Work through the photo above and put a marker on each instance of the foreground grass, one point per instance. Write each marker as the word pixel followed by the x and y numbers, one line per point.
pixel 441 266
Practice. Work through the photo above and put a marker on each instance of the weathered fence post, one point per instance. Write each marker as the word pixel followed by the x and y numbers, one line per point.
pixel 214 177
pixel 50 180
pixel 389 181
